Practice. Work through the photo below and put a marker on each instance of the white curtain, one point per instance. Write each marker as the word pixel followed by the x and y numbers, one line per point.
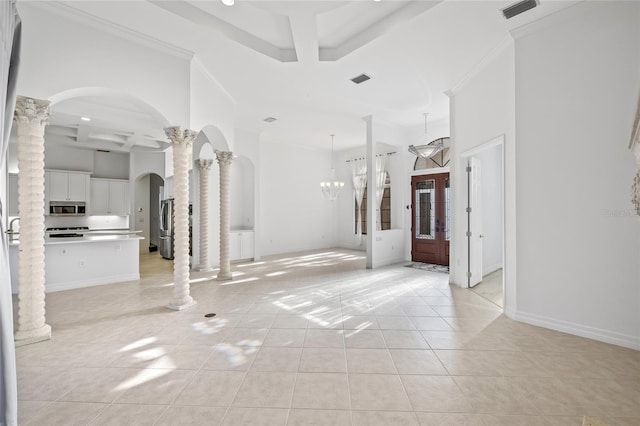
pixel 10 36
pixel 381 175
pixel 359 179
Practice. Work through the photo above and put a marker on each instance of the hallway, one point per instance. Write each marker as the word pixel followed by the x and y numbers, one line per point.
pixel 312 339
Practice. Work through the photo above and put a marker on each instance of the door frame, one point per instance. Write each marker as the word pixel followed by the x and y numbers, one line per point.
pixel 440 242
pixel 465 155
pixel 409 207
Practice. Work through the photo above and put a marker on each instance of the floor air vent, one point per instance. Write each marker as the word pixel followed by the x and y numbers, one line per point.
pixel 518 8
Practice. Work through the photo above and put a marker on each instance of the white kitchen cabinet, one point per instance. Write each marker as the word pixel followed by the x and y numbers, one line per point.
pixel 12 195
pixel 119 197
pixel 241 245
pixel 168 188
pixel 66 185
pixel 109 197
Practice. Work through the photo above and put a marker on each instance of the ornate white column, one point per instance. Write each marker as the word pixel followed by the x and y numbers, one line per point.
pixel 224 160
pixel 182 141
pixel 204 166
pixel 31 117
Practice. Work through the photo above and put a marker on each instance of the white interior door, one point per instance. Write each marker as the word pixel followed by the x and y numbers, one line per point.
pixel 475 222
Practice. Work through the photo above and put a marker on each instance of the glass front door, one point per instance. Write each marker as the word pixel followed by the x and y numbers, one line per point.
pixel 430 219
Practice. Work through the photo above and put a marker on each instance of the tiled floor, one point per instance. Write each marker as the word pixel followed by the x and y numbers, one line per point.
pixel 313 339
pixel 491 287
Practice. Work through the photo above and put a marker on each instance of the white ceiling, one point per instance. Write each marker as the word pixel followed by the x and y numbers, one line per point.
pixel 293 60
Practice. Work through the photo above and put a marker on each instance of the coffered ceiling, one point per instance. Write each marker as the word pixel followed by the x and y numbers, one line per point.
pixel 294 60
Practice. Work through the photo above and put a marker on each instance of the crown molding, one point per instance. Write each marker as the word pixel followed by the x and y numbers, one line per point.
pixel 81 16
pixel 195 60
pixel 506 42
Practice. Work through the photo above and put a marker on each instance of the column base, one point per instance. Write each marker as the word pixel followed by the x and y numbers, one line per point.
pixel 22 338
pixel 181 307
pixel 227 276
pixel 204 269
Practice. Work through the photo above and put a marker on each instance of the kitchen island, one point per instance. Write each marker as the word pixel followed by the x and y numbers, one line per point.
pixel 89 260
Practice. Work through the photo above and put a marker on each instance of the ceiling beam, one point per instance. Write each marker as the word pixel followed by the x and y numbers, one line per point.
pixel 200 17
pixel 304 29
pixel 408 12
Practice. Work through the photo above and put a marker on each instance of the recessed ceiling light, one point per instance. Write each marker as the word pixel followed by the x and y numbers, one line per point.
pixel 85 119
pixel 270 119
pixel 228 2
pixel 360 79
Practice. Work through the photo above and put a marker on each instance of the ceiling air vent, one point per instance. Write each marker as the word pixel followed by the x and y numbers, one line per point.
pixel 360 79
pixel 518 8
pixel 270 119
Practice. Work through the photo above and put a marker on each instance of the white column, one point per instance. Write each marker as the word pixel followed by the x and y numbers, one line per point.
pixel 204 166
pixel 31 116
pixel 372 199
pixel 224 160
pixel 182 141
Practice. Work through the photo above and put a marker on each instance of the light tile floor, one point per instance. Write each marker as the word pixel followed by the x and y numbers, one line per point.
pixel 312 339
pixel 491 287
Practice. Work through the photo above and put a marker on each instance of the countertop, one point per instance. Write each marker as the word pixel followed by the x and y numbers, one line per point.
pixel 91 236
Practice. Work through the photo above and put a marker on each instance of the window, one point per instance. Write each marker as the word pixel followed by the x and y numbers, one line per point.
pixel 385 208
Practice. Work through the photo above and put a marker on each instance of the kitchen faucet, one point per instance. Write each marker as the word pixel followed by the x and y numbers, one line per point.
pixel 11 232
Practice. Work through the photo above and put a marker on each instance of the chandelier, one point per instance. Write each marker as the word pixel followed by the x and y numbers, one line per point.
pixel 332 187
pixel 427 150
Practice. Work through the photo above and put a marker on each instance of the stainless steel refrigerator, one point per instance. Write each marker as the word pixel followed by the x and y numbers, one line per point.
pixel 166 228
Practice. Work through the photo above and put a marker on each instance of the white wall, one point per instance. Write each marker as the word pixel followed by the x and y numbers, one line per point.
pixel 74 55
pixel 482 109
pixel 143 162
pixel 210 104
pixel 242 193
pixel 65 158
pixel 111 165
pixel 294 214
pixel 577 77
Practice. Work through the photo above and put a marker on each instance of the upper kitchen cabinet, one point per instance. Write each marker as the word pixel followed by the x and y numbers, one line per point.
pixel 109 197
pixel 66 185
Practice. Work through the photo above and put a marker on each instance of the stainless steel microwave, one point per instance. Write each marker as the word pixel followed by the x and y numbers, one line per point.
pixel 67 208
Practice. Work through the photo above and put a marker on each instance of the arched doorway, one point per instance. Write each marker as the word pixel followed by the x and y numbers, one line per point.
pixel 148 192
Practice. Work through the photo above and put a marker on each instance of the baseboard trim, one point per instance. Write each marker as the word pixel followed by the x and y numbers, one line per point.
pixel 112 279
pixel 490 270
pixel 607 336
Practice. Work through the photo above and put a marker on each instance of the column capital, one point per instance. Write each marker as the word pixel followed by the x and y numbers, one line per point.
pixel 204 163
pixel 180 136
pixel 29 110
pixel 224 157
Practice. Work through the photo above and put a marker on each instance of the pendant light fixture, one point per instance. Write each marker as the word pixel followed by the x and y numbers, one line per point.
pixel 332 187
pixel 428 149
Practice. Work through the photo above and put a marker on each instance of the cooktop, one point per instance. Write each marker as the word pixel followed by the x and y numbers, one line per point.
pixel 67 234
